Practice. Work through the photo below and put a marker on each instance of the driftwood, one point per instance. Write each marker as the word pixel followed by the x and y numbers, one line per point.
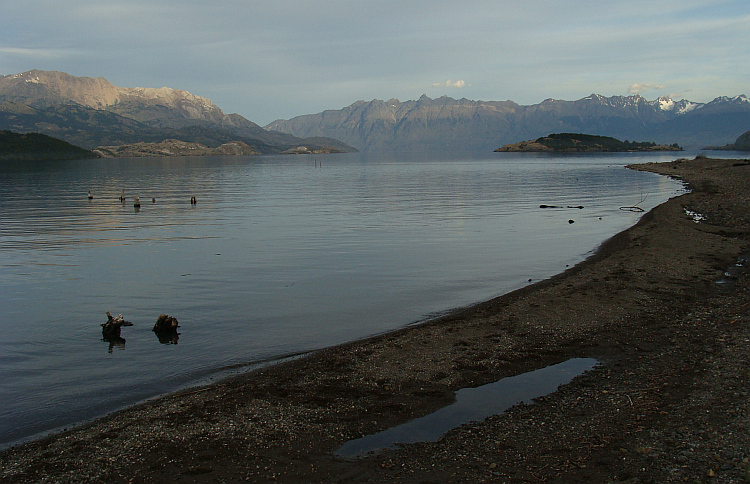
pixel 111 329
pixel 166 329
pixel 558 206
pixel 634 208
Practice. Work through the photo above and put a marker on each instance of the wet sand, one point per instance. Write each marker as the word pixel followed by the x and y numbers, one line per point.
pixel 670 401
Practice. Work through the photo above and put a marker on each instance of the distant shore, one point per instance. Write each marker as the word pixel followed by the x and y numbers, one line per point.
pixel 663 306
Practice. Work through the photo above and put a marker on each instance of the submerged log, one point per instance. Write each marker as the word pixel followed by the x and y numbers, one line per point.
pixel 111 329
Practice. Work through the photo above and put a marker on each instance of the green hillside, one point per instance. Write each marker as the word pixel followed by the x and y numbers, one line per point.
pixel 576 142
pixel 35 146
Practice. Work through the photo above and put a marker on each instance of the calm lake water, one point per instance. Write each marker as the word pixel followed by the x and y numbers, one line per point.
pixel 280 255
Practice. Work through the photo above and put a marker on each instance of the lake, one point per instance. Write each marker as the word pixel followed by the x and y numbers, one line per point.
pixel 280 255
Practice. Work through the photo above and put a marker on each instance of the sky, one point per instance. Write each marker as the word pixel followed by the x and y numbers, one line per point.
pixel 276 59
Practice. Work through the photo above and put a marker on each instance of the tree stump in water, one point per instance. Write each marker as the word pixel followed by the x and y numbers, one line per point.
pixel 111 329
pixel 166 329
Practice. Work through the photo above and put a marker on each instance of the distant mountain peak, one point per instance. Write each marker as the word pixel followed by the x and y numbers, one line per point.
pixel 92 111
pixel 54 87
pixel 449 124
pixel 741 99
pixel 665 103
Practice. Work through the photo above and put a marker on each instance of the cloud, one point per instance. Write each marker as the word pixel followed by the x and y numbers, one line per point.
pixel 30 53
pixel 248 56
pixel 640 87
pixel 449 83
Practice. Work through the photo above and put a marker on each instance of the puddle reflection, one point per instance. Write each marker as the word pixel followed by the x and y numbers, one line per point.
pixel 471 405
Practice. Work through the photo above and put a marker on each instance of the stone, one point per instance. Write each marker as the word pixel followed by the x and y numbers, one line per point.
pixel 166 329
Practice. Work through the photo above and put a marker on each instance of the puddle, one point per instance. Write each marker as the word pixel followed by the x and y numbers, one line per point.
pixel 697 217
pixel 471 405
pixel 732 272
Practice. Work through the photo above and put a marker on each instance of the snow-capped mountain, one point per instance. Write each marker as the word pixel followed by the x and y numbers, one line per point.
pixel 683 106
pixel 92 111
pixel 449 124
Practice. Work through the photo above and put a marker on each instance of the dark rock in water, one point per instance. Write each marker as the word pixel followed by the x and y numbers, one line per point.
pixel 111 329
pixel 166 329
pixel 165 323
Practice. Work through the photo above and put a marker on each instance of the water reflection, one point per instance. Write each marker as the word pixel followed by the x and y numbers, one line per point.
pixel 309 257
pixel 115 342
pixel 111 330
pixel 168 338
pixel 472 404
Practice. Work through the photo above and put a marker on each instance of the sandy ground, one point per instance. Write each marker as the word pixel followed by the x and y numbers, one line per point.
pixel 669 402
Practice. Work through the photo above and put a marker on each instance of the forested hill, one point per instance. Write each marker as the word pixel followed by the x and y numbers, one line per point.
pixel 35 146
pixel 575 142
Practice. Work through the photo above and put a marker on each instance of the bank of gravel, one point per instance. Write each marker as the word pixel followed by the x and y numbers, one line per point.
pixel 668 403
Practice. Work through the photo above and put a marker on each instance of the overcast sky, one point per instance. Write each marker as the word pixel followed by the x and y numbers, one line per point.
pixel 271 59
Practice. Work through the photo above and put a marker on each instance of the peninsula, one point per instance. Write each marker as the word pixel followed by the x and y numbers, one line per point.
pixel 576 142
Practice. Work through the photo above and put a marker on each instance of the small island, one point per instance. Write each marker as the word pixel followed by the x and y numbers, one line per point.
pixel 36 146
pixel 575 143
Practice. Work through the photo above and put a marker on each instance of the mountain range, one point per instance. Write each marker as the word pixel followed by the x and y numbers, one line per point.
pixel 462 124
pixel 91 112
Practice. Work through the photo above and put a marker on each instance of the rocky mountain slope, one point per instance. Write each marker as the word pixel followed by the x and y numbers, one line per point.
pixel 173 147
pixel 91 112
pixel 460 124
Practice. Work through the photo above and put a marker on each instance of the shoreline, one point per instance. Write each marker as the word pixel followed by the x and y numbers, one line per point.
pixel 646 304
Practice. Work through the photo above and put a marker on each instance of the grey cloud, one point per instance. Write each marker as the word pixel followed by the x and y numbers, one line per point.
pixel 267 60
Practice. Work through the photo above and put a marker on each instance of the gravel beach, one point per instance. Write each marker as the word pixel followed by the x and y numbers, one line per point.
pixel 663 307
